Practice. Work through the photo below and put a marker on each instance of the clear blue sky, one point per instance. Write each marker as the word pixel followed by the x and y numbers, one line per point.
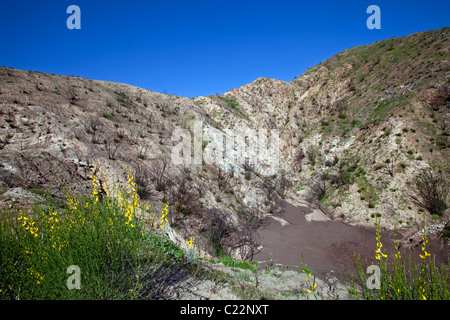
pixel 198 47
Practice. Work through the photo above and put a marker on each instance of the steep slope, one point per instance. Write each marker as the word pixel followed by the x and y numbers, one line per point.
pixel 57 130
pixel 361 123
pixel 366 121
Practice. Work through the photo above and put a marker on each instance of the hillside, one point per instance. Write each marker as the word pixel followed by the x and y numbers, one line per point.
pixel 374 114
pixel 361 125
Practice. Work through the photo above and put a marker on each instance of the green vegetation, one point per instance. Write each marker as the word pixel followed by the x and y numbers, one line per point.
pixel 246 265
pixel 110 117
pixel 101 234
pixel 387 107
pixel 368 191
pixel 401 278
pixel 233 104
pixel 121 96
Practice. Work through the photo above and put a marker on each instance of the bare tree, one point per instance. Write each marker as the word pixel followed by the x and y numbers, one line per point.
pixel 144 186
pixel 298 158
pixel 3 143
pixel 224 234
pixel 222 178
pixel 159 173
pixel 271 198
pixel 183 195
pixel 247 244
pixel 72 94
pixel 429 190
pixel 111 147
pixel 251 216
pixel 218 228
pixel 250 168
pixel 317 187
pixel 272 123
pixel 275 187
pixel 283 183
pixel 94 126
pixel 389 166
pixel 311 154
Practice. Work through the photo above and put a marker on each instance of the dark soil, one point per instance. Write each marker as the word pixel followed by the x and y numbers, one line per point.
pixel 328 245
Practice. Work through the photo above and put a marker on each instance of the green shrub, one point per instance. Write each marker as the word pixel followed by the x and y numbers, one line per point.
pixel 121 97
pixel 233 104
pixel 228 261
pixel 110 117
pixel 100 234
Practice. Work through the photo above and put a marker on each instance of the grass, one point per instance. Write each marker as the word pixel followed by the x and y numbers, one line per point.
pixel 233 104
pixel 110 117
pixel 121 96
pixel 100 234
pixel 246 265
pixel 368 191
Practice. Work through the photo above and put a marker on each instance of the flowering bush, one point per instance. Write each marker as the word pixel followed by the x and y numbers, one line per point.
pixel 102 234
pixel 402 279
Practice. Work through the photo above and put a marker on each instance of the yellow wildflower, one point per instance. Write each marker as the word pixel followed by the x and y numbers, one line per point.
pixel 424 242
pixel 423 296
pixel 378 253
pixel 424 248
pixel 163 218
